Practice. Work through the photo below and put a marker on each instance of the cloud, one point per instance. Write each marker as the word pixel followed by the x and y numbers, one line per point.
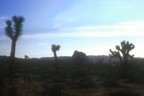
pixel 3 38
pixel 2 21
pixel 44 44
pixel 131 28
pixel 131 25
pixel 61 20
pixel 3 18
pixel 123 29
pixel 61 23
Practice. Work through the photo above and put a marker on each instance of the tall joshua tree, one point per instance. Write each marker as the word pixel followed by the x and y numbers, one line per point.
pixel 123 52
pixel 13 30
pixel 57 86
pixel 54 49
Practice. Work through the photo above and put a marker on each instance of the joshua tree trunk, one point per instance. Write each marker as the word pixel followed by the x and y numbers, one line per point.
pixel 56 63
pixel 13 47
pixel 12 90
pixel 12 58
pixel 55 56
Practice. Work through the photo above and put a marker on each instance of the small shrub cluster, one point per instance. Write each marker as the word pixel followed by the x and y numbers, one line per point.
pixel 21 87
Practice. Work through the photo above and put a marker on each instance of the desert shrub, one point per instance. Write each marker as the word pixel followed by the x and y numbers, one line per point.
pixel 21 87
pixel 110 83
pixel 87 82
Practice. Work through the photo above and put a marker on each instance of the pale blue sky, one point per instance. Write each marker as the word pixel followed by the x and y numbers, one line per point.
pixel 91 26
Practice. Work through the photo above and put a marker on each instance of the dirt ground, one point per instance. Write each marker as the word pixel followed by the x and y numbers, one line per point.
pixel 134 88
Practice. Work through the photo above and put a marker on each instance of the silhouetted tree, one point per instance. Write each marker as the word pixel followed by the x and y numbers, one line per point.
pixel 123 52
pixel 55 48
pixel 56 89
pixel 13 30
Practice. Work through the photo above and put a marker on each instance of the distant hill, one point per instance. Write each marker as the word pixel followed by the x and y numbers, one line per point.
pixel 99 58
pixel 91 58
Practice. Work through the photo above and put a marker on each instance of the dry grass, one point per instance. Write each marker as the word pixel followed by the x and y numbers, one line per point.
pixel 24 88
pixel 87 92
pixel 135 88
pixel 127 90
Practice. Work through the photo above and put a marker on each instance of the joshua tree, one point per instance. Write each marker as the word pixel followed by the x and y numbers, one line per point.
pixel 123 52
pixel 55 48
pixel 57 87
pixel 13 30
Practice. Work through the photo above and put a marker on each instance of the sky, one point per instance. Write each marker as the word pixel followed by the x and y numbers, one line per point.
pixel 90 26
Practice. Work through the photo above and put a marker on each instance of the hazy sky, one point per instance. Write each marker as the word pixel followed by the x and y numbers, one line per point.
pixel 90 26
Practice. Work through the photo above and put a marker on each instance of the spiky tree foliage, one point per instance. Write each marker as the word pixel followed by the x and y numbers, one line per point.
pixel 54 49
pixel 123 52
pixel 13 30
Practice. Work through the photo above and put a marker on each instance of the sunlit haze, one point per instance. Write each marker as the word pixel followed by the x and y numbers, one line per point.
pixel 90 26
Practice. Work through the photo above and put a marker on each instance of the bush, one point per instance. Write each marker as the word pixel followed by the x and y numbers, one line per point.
pixel 21 87
pixel 110 83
